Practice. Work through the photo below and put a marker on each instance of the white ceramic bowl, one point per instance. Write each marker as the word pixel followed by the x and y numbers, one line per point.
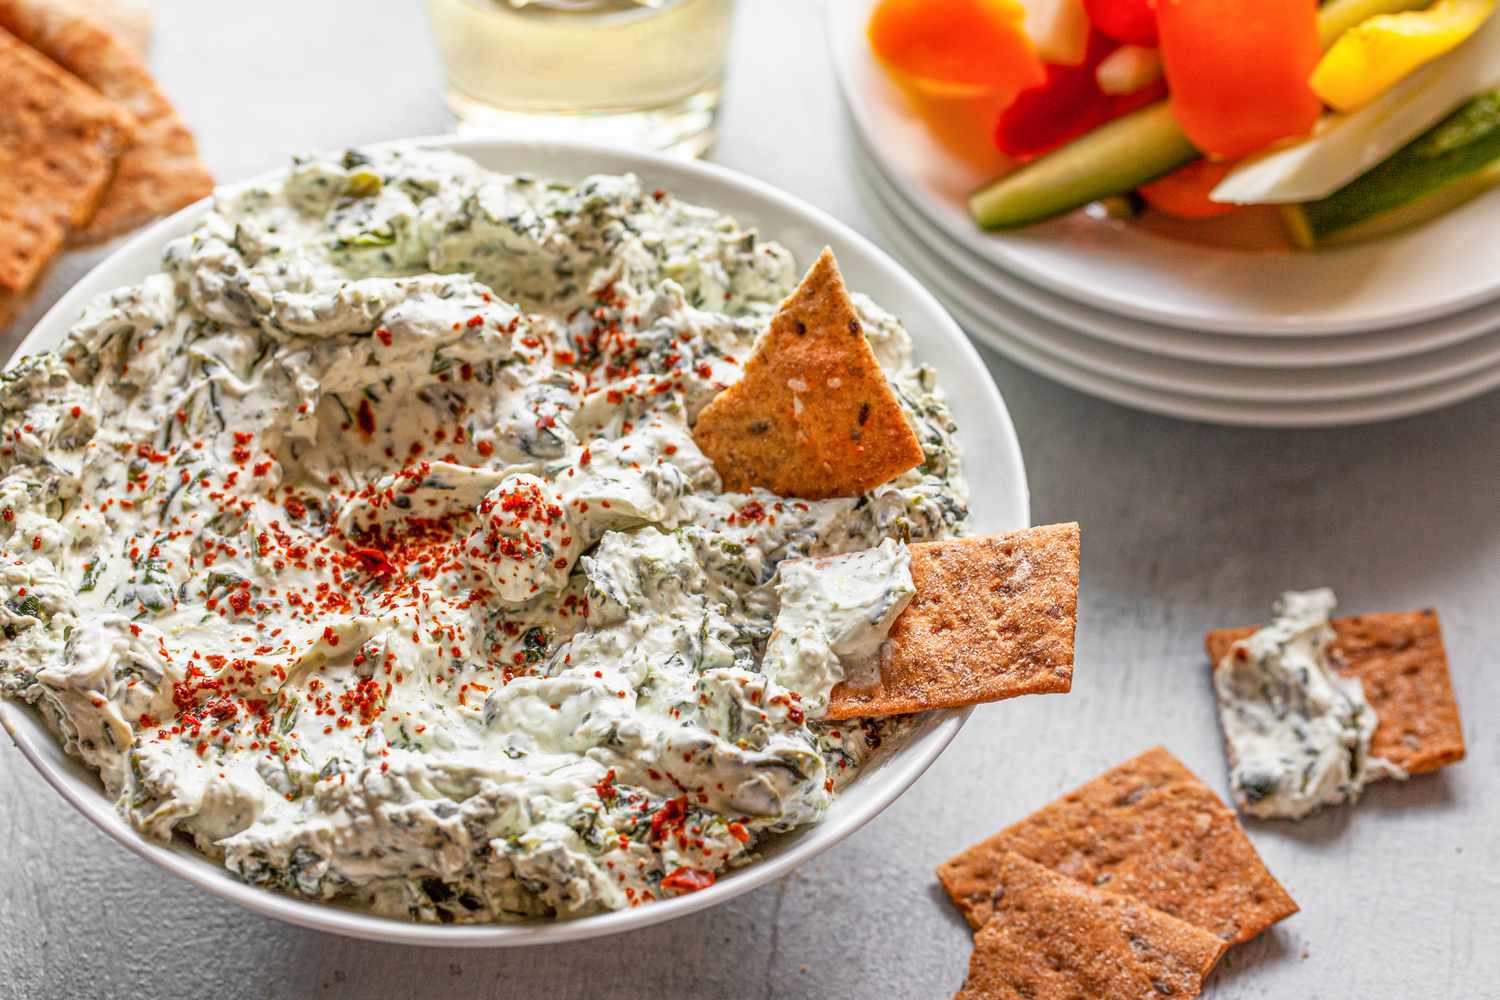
pixel 996 476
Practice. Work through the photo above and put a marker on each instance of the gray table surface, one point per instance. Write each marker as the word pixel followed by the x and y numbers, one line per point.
pixel 1185 527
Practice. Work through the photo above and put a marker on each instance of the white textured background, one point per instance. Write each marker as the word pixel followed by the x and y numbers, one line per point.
pixel 1185 527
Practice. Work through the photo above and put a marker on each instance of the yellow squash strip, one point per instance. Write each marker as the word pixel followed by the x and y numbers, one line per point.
pixel 1376 54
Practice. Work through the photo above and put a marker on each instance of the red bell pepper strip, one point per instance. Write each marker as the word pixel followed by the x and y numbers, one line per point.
pixel 1184 193
pixel 1069 104
pixel 1238 70
pixel 1129 22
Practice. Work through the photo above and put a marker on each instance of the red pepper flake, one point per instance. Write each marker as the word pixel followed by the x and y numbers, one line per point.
pixel 606 787
pixel 384 335
pixel 365 417
pixel 672 814
pixel 738 832
pixel 485 448
pixel 688 880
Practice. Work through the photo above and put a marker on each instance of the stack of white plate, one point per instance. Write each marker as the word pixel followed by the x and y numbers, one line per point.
pixel 1174 326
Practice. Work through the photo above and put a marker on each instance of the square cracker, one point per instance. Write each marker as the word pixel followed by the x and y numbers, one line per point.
pixel 1147 829
pixel 161 172
pixel 1051 938
pixel 1400 660
pixel 59 142
pixel 993 617
pixel 813 415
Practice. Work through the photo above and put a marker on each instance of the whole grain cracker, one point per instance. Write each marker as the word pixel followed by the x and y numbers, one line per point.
pixel 161 172
pixel 129 20
pixel 813 415
pixel 1400 660
pixel 1051 938
pixel 1147 829
pixel 59 143
pixel 993 617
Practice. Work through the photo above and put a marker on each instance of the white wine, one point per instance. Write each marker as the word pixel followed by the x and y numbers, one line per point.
pixel 628 71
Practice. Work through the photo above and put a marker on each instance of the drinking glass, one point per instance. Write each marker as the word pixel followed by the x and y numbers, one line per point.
pixel 640 73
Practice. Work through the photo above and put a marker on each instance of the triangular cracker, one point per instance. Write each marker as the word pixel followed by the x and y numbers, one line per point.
pixel 1051 938
pixel 1147 829
pixel 161 172
pixel 1400 661
pixel 992 617
pixel 812 416
pixel 59 141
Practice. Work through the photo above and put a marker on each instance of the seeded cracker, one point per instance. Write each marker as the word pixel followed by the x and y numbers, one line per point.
pixel 161 172
pixel 1400 660
pixel 1147 829
pixel 812 416
pixel 1051 938
pixel 59 142
pixel 993 617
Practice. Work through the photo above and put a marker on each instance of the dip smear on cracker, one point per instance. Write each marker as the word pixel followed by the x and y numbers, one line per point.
pixel 1314 710
pixel 1051 938
pixel 992 617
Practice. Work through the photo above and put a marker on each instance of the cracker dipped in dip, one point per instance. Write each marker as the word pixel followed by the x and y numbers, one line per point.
pixel 368 545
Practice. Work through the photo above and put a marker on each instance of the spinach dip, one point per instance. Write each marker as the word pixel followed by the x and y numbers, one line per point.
pixel 1298 731
pixel 367 545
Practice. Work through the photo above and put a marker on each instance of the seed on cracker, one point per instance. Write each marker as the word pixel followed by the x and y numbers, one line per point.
pixel 1147 829
pixel 1051 938
pixel 1400 661
pixel 813 415
pixel 59 142
pixel 161 172
pixel 993 617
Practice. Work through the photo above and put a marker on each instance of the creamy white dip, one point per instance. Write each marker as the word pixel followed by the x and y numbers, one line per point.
pixel 367 545
pixel 1298 732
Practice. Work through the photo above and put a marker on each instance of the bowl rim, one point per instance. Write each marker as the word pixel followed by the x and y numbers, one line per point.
pixel 80 786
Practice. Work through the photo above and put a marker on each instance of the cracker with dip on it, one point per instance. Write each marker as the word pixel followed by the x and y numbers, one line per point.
pixel 59 143
pixel 992 617
pixel 1361 698
pixel 161 172
pixel 1147 829
pixel 1051 938
pixel 813 415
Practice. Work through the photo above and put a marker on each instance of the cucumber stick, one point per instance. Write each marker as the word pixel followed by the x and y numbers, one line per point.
pixel 1114 157
pixel 1127 152
pixel 1451 162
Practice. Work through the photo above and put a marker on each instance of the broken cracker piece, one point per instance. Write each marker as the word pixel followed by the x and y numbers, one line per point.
pixel 1051 938
pixel 59 142
pixel 993 617
pixel 813 415
pixel 1399 659
pixel 1147 829
pixel 161 172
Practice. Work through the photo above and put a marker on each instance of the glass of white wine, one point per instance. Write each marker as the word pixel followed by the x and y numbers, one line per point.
pixel 640 73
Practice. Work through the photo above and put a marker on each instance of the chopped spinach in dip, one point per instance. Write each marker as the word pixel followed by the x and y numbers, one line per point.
pixel 1298 732
pixel 367 546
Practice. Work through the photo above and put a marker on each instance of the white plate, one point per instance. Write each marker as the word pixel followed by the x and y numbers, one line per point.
pixel 1236 383
pixel 1311 351
pixel 997 481
pixel 978 317
pixel 1434 270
